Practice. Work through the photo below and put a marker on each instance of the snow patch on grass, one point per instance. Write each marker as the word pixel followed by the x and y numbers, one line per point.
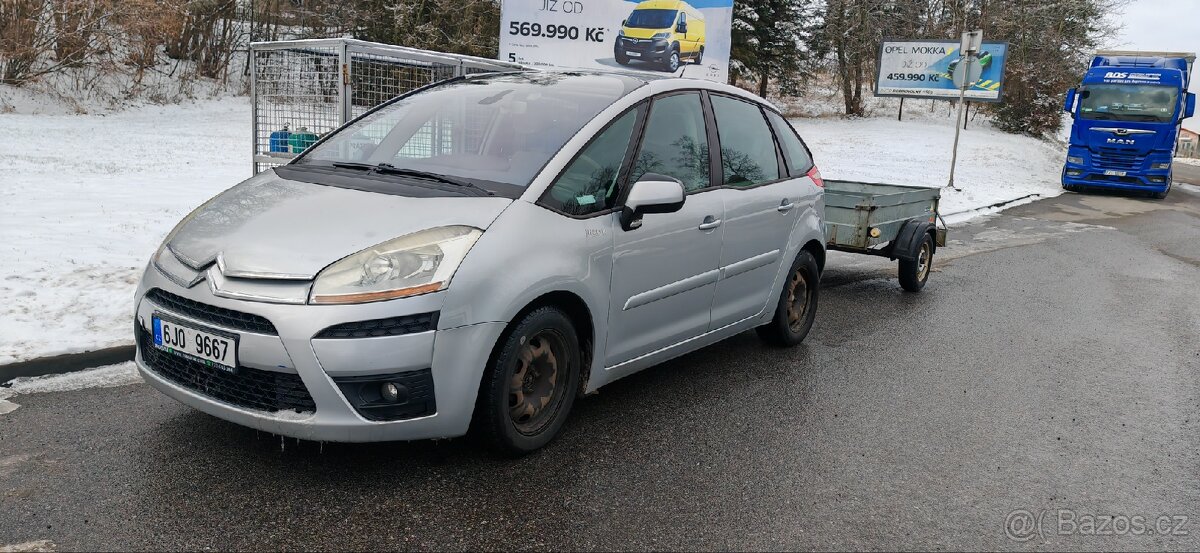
pixel 1188 160
pixel 86 199
pixel 121 374
pixel 993 167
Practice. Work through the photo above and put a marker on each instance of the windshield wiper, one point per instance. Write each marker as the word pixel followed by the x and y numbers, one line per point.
pixel 354 165
pixel 389 169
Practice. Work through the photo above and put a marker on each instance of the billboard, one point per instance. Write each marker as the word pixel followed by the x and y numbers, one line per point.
pixel 924 68
pixel 659 37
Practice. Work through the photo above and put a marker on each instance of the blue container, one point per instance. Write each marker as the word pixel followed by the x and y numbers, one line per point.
pixel 279 140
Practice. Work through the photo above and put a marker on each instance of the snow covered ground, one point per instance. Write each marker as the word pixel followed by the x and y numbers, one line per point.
pixel 993 166
pixel 1188 160
pixel 120 374
pixel 85 199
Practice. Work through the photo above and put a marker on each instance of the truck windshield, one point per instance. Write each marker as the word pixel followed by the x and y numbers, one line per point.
pixel 494 131
pixel 650 19
pixel 1128 102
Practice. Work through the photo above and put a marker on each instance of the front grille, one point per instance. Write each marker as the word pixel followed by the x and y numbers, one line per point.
pixel 251 388
pixel 1110 158
pixel 392 326
pixel 218 316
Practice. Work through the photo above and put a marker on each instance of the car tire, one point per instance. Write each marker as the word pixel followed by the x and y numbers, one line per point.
pixel 542 351
pixel 621 58
pixel 671 62
pixel 797 305
pixel 914 273
pixel 699 56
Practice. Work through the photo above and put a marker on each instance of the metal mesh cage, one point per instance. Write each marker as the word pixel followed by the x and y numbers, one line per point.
pixel 302 89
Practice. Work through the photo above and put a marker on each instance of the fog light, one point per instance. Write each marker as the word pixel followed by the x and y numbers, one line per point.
pixel 1073 173
pixel 390 392
pixel 1158 179
pixel 1077 160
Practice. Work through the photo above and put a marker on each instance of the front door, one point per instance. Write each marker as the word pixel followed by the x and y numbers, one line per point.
pixel 665 271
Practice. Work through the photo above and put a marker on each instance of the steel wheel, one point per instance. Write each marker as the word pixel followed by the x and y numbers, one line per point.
pixel 797 300
pixel 533 390
pixel 923 259
pixel 673 62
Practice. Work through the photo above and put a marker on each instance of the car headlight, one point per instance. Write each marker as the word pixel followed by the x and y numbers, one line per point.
pixel 413 264
pixel 661 36
pixel 1163 165
pixel 1077 160
pixel 621 32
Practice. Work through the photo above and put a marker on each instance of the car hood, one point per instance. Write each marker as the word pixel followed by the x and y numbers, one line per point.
pixel 270 227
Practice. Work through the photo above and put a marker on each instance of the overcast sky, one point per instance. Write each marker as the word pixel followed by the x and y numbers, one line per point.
pixel 1162 25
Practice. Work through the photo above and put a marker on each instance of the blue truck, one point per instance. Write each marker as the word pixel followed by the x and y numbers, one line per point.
pixel 1127 113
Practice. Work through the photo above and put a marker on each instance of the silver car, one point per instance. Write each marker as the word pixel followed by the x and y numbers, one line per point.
pixel 478 253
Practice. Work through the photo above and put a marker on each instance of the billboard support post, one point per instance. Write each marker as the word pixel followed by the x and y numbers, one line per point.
pixel 971 41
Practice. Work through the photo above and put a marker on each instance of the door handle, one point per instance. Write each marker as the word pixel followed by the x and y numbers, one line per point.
pixel 710 223
pixel 785 206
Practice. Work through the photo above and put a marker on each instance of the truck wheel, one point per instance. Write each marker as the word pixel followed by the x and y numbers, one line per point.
pixel 1162 195
pixel 699 56
pixel 797 305
pixel 914 273
pixel 530 384
pixel 621 58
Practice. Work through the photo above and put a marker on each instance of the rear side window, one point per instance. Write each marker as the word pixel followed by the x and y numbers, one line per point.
pixel 747 148
pixel 798 160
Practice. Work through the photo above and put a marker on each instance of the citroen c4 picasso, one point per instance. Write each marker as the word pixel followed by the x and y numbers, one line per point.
pixel 478 253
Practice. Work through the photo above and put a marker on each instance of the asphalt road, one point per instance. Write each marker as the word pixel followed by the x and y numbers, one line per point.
pixel 1049 370
pixel 1184 172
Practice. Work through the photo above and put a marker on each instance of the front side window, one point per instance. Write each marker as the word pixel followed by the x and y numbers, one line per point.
pixel 798 159
pixel 747 147
pixel 589 184
pixel 675 142
pixel 496 132
pixel 1128 102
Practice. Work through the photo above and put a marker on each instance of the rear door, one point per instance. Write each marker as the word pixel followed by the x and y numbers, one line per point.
pixel 760 209
pixel 665 271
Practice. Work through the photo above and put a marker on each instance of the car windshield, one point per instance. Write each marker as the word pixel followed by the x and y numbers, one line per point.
pixel 650 19
pixel 1128 102
pixel 494 131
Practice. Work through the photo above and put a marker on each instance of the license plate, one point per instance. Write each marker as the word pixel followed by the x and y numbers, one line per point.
pixel 634 54
pixel 1112 173
pixel 215 349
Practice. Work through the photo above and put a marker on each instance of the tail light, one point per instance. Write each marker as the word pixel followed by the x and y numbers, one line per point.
pixel 815 175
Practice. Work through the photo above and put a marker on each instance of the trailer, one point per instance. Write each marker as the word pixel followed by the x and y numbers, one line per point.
pixel 887 220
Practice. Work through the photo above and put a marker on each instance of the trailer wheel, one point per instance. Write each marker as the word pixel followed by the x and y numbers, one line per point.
pixel 914 273
pixel 797 305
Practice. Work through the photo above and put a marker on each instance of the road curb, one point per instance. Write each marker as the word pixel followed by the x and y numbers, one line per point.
pixel 70 362
pixel 996 207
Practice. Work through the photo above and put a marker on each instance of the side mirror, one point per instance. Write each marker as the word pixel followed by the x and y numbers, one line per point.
pixel 681 28
pixel 654 193
pixel 623 22
pixel 1189 109
pixel 1069 104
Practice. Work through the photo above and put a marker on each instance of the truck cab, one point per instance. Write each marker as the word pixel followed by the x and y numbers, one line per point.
pixel 1127 112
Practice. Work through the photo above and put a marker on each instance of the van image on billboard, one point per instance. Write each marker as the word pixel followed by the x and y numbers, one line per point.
pixel 662 32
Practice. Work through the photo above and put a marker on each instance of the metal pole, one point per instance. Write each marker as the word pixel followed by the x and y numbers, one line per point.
pixel 962 92
pixel 900 114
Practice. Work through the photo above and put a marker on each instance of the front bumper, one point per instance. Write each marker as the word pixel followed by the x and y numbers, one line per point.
pixel 455 358
pixel 1093 179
